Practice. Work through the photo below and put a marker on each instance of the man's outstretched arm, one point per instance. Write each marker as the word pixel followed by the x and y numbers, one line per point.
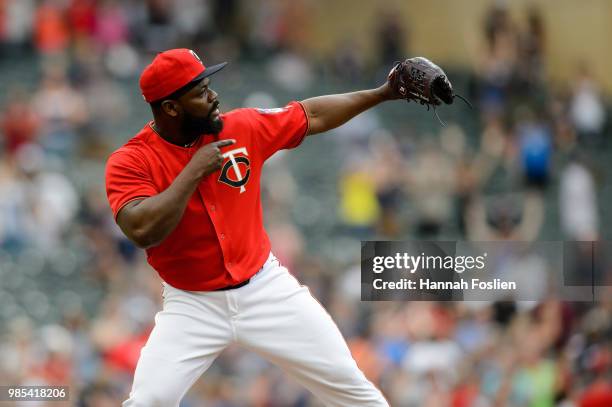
pixel 330 111
pixel 416 79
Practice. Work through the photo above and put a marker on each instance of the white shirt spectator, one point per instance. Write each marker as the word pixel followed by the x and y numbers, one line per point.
pixel 578 201
pixel 587 110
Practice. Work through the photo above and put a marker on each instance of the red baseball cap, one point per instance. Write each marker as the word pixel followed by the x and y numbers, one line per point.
pixel 171 70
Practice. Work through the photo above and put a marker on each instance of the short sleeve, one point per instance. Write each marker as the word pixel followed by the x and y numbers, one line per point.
pixel 279 129
pixel 127 179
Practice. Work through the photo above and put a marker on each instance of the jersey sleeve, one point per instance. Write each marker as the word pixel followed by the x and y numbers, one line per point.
pixel 279 129
pixel 127 179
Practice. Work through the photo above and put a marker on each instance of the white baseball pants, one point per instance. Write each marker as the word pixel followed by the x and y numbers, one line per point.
pixel 273 316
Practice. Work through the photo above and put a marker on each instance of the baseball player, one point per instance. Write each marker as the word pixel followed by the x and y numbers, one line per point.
pixel 187 189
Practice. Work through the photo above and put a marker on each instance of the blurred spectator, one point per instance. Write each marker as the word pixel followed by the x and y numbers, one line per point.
pixel 106 101
pixel 99 395
pixel 359 207
pixel 388 173
pixel 287 66
pixel 598 394
pixel 153 27
pixel 431 185
pixel 50 197
pixel 562 126
pixel 356 134
pixel 52 33
pixel 62 109
pixel 578 202
pixel 348 61
pixel 268 26
pixel 194 18
pixel 15 222
pixel 224 15
pixel 16 22
pixel 503 221
pixel 532 49
pixel 19 123
pixel 391 38
pixel 535 148
pixel 56 367
pixel 587 110
pixel 289 243
pixel 119 337
pixel 110 24
pixel 498 66
pixel 82 18
pixel 3 29
pixel 367 358
pixel 17 349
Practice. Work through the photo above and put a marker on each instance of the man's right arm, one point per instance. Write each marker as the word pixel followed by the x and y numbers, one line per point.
pixel 147 222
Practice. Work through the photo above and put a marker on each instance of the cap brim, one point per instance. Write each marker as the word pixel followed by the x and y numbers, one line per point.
pixel 209 71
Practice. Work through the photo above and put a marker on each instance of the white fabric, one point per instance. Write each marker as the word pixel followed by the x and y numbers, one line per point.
pixel 587 110
pixel 578 201
pixel 273 316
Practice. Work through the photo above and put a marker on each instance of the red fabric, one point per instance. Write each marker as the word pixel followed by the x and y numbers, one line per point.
pixel 50 29
pixel 20 125
pixel 124 356
pixel 599 394
pixel 3 16
pixel 465 395
pixel 82 17
pixel 220 240
pixel 365 355
pixel 169 71
pixel 55 370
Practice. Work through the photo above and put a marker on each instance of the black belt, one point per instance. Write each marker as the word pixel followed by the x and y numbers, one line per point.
pixel 231 287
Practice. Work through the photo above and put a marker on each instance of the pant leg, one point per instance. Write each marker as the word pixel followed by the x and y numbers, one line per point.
pixel 189 333
pixel 281 321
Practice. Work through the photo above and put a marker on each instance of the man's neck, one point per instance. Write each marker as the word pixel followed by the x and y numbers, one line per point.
pixel 174 136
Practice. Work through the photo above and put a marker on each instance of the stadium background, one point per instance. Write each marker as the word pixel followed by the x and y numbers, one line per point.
pixel 532 162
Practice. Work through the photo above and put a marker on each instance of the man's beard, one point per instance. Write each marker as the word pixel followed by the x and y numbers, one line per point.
pixel 194 125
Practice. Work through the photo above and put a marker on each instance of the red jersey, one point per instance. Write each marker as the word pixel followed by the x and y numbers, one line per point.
pixel 220 240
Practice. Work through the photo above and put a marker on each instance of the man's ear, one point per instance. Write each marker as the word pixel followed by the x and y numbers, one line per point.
pixel 170 107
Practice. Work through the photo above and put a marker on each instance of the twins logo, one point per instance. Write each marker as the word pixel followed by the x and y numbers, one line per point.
pixel 235 161
pixel 196 56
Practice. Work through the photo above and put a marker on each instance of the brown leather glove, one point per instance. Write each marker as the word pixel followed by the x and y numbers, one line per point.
pixel 421 80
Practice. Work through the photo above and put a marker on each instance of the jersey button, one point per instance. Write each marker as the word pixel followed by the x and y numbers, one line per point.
pixel 222 236
pixel 230 264
pixel 213 208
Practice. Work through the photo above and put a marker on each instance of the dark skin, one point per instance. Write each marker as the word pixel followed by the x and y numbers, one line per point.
pixel 149 221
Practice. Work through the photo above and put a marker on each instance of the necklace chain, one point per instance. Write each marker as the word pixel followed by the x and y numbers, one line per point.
pixel 154 127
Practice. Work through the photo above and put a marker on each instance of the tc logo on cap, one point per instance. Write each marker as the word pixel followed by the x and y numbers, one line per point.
pixel 196 56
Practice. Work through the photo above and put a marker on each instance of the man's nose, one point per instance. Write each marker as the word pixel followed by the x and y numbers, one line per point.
pixel 212 95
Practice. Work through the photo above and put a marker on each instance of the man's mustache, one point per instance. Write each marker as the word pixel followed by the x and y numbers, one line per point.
pixel 212 109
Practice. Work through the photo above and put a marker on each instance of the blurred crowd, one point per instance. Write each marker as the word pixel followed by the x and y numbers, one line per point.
pixel 77 300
